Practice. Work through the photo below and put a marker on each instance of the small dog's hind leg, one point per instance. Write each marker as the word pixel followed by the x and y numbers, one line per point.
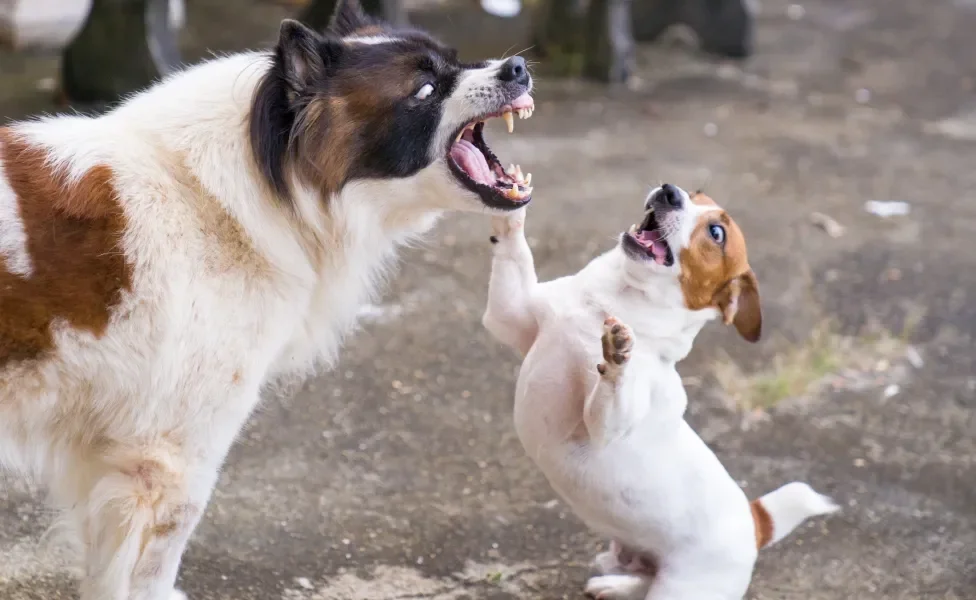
pixel 618 587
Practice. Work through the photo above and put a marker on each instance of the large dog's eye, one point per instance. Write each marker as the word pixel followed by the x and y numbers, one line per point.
pixel 717 232
pixel 424 92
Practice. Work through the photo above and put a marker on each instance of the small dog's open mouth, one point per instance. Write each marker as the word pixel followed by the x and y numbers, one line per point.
pixel 477 167
pixel 647 241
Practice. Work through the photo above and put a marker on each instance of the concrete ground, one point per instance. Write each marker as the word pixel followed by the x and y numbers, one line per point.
pixel 398 475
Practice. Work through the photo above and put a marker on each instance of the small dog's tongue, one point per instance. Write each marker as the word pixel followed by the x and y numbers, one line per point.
pixel 660 251
pixel 472 161
pixel 653 242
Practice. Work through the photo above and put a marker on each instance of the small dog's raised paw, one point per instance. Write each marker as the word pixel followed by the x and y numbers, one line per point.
pixel 618 340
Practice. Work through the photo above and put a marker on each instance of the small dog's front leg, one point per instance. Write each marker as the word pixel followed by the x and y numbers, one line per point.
pixel 508 315
pixel 616 402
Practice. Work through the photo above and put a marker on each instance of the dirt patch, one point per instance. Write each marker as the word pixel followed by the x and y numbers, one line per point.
pixel 875 358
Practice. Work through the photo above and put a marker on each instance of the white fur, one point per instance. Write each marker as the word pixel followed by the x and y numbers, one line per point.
pixel 230 293
pixel 616 447
pixel 13 240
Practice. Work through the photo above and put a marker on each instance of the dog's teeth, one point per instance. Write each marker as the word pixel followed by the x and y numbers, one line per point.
pixel 510 171
pixel 527 192
pixel 509 120
pixel 458 138
pixel 528 179
pixel 518 172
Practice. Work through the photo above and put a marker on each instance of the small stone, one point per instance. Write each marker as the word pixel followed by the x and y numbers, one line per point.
pixel 304 583
pixel 862 96
pixel 828 224
pixel 914 357
pixel 859 462
pixel 891 391
pixel 795 12
pixel 711 129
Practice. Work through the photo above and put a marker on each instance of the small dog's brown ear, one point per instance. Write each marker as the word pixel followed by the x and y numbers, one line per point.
pixel 740 305
pixel 748 318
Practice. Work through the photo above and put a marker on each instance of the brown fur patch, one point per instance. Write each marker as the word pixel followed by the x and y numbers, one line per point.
pixel 719 276
pixel 763 523
pixel 368 30
pixel 74 232
pixel 331 127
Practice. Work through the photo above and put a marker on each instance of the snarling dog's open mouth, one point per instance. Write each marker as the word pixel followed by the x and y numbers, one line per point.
pixel 648 241
pixel 478 169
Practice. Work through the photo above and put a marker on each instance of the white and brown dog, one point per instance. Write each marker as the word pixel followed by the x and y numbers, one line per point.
pixel 161 264
pixel 599 405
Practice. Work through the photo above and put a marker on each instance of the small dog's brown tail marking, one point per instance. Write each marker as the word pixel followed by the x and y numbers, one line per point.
pixel 763 523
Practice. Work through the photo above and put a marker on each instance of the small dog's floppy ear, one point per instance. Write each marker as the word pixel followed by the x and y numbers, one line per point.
pixel 304 55
pixel 348 17
pixel 740 305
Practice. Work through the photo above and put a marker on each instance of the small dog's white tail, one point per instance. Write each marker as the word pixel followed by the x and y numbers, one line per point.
pixel 779 512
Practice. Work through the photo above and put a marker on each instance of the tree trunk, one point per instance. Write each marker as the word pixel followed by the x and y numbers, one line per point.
pixel 123 47
pixel 610 48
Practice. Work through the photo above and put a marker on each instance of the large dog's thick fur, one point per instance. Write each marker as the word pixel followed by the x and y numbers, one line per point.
pixel 599 405
pixel 161 264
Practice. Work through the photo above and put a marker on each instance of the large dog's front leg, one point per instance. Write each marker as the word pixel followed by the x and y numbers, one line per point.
pixel 621 397
pixel 508 315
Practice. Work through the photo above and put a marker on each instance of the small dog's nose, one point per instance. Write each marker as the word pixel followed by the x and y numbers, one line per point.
pixel 670 196
pixel 514 69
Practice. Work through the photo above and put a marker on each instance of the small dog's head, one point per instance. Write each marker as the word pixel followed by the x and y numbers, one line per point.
pixel 693 240
pixel 366 101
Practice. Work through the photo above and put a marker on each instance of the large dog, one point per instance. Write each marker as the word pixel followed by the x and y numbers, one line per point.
pixel 599 404
pixel 162 263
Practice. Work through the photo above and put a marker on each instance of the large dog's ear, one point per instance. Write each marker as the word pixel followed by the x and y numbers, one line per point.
pixel 304 56
pixel 348 17
pixel 739 304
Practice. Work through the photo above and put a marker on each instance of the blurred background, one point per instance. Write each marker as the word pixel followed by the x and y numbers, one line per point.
pixel 840 134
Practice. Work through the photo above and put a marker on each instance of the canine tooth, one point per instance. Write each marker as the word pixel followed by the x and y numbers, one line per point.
pixel 528 179
pixel 509 121
pixel 518 172
pixel 510 170
pixel 458 138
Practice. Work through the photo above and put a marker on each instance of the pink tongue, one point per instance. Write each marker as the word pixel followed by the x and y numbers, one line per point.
pixel 660 251
pixel 472 162
pixel 652 241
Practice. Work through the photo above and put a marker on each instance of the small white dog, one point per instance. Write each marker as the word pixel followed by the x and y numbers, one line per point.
pixel 612 439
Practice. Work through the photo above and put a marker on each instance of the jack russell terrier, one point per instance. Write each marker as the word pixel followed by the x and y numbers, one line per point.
pixel 599 405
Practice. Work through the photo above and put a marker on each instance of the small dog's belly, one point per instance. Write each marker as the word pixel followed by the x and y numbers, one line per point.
pixel 648 496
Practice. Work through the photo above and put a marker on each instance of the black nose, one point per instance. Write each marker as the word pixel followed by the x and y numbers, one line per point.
pixel 514 69
pixel 670 195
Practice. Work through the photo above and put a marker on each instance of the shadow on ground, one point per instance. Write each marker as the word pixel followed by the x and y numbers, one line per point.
pixel 398 475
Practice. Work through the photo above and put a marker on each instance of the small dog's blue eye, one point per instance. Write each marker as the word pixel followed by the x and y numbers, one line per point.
pixel 718 233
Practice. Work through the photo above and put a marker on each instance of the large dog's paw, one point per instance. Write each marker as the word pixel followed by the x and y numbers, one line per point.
pixel 618 341
pixel 507 225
